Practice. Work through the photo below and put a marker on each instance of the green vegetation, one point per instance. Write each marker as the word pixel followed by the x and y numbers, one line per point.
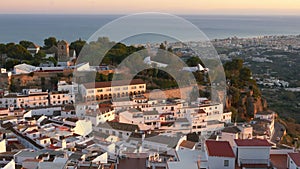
pixel 284 66
pixel 193 61
pixel 77 45
pixel 49 42
pixel 240 77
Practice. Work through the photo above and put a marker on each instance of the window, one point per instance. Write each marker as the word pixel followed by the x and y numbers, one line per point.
pixel 226 163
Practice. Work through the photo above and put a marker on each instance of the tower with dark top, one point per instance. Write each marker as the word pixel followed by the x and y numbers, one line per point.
pixel 63 51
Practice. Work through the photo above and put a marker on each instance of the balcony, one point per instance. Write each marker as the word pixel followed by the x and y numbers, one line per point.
pixel 254 161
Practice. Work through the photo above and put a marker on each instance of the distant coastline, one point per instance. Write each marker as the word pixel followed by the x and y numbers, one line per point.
pixel 35 28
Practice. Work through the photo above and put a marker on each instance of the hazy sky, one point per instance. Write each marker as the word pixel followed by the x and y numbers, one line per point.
pixel 279 7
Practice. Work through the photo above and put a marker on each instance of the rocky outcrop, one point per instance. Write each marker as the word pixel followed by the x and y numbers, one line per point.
pixel 247 105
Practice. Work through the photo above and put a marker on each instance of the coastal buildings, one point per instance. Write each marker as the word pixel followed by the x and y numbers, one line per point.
pixel 109 90
pixel 119 126
pixel 252 152
pixel 220 154
pixel 33 98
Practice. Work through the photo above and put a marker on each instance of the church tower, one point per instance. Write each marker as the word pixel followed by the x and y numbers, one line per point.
pixel 63 51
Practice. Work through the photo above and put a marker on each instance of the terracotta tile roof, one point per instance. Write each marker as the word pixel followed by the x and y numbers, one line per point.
pixel 187 144
pixel 279 160
pixel 219 148
pixel 295 157
pixel 253 142
pixel 113 83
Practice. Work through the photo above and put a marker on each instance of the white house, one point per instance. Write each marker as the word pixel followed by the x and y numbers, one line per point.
pixel 24 68
pixel 220 155
pixel 252 152
pixel 231 133
pixel 2 70
pixel 266 115
pixel 82 108
pixel 151 118
pixel 101 115
pixel 33 49
pixel 43 141
pixel 28 98
pixel 182 125
pixel 293 160
pixel 47 111
pixel 121 130
pixel 82 127
pixel 61 98
pixel 70 87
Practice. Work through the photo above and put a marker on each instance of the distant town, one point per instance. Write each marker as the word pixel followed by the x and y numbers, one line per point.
pixel 50 118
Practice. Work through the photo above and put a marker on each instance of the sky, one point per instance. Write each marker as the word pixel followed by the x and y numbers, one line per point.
pixel 246 7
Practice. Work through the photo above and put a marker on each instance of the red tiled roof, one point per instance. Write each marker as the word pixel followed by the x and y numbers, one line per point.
pixel 219 148
pixel 295 157
pixel 113 83
pixel 279 160
pixel 252 142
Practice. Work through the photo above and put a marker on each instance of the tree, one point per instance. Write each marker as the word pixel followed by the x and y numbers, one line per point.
pixel 2 48
pixel 162 46
pixel 194 61
pixel 40 55
pixel 17 52
pixel 77 45
pixel 11 63
pixel 49 42
pixel 25 43
pixel 38 58
pixel 53 60
pixel 245 74
pixel 234 65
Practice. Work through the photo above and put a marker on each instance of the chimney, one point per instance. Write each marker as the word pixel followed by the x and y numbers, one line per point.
pixel 295 144
pixel 63 144
pixel 202 144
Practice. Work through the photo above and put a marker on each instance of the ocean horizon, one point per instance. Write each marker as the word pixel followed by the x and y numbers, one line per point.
pixel 35 28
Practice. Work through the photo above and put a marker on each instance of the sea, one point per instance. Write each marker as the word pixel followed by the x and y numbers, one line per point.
pixel 35 28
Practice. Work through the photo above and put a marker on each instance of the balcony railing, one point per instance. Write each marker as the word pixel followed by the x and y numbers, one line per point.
pixel 254 161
